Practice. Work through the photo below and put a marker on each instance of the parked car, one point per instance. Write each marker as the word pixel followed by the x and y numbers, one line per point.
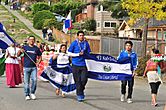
pixel 59 17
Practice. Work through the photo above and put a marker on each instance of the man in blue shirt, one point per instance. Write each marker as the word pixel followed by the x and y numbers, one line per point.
pixel 31 54
pixel 134 62
pixel 77 50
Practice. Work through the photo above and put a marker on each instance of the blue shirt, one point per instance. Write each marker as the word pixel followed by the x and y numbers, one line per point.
pixel 76 47
pixel 132 55
pixel 32 52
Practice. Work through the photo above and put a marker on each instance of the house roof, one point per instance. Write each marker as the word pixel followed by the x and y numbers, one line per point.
pixel 140 23
pixel 152 23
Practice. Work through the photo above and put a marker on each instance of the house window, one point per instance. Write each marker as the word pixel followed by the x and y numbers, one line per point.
pixel 98 24
pixel 107 24
pixel 113 24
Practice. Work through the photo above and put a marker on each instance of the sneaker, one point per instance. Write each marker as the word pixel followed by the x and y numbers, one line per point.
pixel 80 98
pixel 33 97
pixel 27 98
pixel 129 100
pixel 122 99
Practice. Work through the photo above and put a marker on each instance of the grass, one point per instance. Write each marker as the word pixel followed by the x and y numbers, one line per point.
pixel 17 30
pixel 27 15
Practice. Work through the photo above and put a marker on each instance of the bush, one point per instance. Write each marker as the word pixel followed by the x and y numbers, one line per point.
pixel 52 23
pixel 90 25
pixel 40 17
pixel 141 65
pixel 39 7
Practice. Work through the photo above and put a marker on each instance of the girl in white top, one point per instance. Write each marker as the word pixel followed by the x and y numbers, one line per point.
pixel 62 62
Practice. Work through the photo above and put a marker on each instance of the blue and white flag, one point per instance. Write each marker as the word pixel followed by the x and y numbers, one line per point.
pixel 67 23
pixel 60 78
pixel 5 39
pixel 105 67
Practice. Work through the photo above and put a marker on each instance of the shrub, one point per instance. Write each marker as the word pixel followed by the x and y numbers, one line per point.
pixel 141 65
pixel 90 25
pixel 52 23
pixel 40 17
pixel 39 7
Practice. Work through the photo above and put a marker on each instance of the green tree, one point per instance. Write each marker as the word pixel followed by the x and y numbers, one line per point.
pixel 52 23
pixel 90 25
pixel 40 17
pixel 115 6
pixel 64 6
pixel 39 7
pixel 145 9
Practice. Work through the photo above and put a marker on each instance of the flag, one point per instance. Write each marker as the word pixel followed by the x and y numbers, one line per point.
pixel 2 63
pixel 67 23
pixel 5 39
pixel 60 78
pixel 105 67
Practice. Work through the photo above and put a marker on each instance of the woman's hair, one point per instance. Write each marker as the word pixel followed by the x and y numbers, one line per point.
pixel 62 46
pixel 155 51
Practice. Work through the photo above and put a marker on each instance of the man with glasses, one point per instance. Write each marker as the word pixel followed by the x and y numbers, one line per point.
pixel 31 54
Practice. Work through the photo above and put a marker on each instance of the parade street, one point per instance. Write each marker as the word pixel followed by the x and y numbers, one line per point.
pixel 99 96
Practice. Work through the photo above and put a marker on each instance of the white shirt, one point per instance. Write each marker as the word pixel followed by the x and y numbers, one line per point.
pixel 62 60
pixel 13 52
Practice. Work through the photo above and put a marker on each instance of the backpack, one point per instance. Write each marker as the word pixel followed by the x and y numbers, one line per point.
pixel 151 65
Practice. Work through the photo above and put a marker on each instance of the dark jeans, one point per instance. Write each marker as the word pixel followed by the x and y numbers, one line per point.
pixel 130 87
pixel 154 87
pixel 80 78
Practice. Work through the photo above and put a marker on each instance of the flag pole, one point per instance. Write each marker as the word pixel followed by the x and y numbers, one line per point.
pixel 70 36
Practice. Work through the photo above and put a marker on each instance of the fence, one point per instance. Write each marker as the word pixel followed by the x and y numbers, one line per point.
pixel 114 46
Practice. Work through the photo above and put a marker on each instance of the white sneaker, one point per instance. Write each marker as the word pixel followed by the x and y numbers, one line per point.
pixel 122 99
pixel 129 100
pixel 27 98
pixel 33 97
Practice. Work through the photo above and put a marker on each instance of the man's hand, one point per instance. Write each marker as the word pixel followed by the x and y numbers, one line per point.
pixel 81 53
pixel 22 50
pixel 37 64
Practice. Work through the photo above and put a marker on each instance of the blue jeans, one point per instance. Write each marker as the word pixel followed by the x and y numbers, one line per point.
pixel 30 73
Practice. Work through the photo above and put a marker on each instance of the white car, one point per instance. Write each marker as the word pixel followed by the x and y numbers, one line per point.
pixel 59 17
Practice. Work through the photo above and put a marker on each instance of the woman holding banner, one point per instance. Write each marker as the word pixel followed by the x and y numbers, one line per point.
pixel 59 72
pixel 151 71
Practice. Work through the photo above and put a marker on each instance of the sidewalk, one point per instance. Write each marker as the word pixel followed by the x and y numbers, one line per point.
pixel 24 20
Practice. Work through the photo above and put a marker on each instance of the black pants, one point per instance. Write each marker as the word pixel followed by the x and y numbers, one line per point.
pixel 154 87
pixel 80 78
pixel 130 87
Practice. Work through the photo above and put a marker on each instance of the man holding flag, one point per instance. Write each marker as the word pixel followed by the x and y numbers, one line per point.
pixel 77 50
pixel 31 52
pixel 128 53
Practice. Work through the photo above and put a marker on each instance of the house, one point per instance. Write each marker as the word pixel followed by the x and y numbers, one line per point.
pixel 156 29
pixel 104 21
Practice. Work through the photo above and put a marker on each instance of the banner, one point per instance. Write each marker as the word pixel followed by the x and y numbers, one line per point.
pixel 5 39
pixel 60 78
pixel 106 68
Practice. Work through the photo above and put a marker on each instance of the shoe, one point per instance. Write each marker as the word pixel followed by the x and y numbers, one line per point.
pixel 80 98
pixel 129 100
pixel 33 97
pixel 63 95
pixel 122 99
pixel 27 98
pixel 57 91
pixel 155 105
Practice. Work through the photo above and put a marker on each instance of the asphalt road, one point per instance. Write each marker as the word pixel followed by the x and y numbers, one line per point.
pixel 99 96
